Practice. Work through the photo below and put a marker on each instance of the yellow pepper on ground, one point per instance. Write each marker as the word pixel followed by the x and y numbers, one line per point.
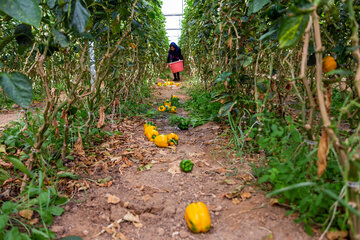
pixel 167 103
pixel 172 139
pixel 151 135
pixel 161 108
pixel 161 141
pixel 149 128
pixel 197 217
pixel 159 84
pixel 173 109
pixel 178 84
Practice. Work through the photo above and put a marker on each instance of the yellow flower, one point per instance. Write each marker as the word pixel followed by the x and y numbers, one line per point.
pixel 173 109
pixel 161 108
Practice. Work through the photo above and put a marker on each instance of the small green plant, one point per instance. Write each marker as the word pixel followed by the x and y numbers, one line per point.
pixel 290 159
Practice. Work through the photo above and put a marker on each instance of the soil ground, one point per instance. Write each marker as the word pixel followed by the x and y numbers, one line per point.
pixel 153 200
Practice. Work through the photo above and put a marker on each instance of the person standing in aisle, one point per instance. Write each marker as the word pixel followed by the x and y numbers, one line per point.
pixel 174 56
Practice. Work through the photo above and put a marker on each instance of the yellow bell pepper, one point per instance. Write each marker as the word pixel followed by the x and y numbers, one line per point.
pixel 173 109
pixel 151 135
pixel 159 84
pixel 173 139
pixel 149 128
pixel 197 217
pixel 161 108
pixel 148 124
pixel 167 103
pixel 178 84
pixel 161 141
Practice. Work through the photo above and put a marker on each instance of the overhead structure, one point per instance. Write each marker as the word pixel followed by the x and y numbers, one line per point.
pixel 173 11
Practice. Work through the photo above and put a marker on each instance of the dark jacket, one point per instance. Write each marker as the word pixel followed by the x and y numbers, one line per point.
pixel 175 55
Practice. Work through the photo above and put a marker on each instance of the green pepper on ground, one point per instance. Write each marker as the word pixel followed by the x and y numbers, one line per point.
pixel 186 165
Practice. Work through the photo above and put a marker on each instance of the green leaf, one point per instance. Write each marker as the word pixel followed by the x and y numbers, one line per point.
pixel 19 165
pixel 340 72
pixel 291 187
pixel 257 5
pixel 8 207
pixel 44 198
pixel 25 11
pixel 18 87
pixel 51 3
pixel 57 211
pixel 224 110
pixel 39 235
pixel 345 204
pixel 71 238
pixel 67 174
pixel 78 15
pixel 60 38
pixel 3 222
pixel 292 29
pixel 14 233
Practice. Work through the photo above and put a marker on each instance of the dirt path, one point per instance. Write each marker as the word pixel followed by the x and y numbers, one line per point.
pixel 7 117
pixel 158 196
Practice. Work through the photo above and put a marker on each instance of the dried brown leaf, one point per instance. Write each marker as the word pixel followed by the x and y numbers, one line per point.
pixel 113 199
pixel 109 230
pixel 120 236
pixel 235 201
pixel 26 213
pixel 101 117
pixel 273 201
pixel 245 195
pixel 131 218
pixel 79 145
pixel 322 154
pixel 337 235
pixel 34 221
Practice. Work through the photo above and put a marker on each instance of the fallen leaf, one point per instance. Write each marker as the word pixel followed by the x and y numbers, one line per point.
pixel 337 235
pixel 120 236
pixel 131 218
pixel 113 199
pixel 146 197
pixel 138 225
pixel 79 148
pixel 235 201
pixel 273 201
pixel 229 181
pixel 322 154
pixel 109 230
pixel 34 221
pixel 174 168
pixel 245 195
pixel 101 121
pixel 26 213
pixel 2 149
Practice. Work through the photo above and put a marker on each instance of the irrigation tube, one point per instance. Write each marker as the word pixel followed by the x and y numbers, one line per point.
pixel 92 62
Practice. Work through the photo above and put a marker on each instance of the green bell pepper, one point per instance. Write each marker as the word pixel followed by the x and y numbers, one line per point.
pixel 186 165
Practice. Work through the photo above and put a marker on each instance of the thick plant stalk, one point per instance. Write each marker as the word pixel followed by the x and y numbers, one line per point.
pixel 308 125
pixel 340 149
pixel 355 44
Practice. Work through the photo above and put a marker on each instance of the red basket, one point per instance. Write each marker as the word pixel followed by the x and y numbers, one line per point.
pixel 177 66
